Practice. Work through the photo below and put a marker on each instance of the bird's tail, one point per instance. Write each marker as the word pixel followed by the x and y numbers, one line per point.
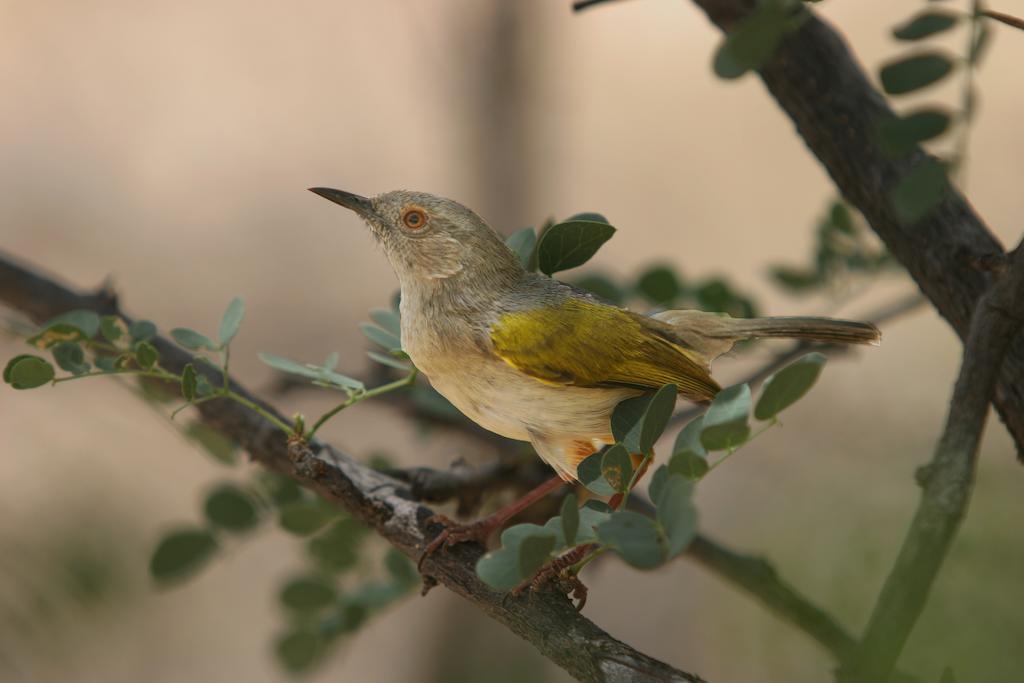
pixel 824 330
pixel 712 334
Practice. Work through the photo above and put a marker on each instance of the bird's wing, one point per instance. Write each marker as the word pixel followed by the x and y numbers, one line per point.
pixel 587 343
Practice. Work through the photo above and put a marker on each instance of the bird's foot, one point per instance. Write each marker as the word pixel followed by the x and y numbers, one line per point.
pixel 455 532
pixel 559 571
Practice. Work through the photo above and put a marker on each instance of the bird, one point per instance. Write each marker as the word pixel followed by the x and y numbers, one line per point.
pixel 535 359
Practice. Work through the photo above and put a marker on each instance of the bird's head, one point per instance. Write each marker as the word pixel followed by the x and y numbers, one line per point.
pixel 429 238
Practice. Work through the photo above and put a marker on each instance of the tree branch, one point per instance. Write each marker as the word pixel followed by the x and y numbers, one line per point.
pixel 947 480
pixel 817 81
pixel 547 619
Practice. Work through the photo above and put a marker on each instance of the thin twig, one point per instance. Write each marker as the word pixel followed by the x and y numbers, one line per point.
pixel 947 480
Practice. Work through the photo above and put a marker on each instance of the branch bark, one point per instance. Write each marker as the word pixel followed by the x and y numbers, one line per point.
pixel 947 480
pixel 817 81
pixel 547 619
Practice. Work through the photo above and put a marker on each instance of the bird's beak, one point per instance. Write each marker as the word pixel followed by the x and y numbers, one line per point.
pixel 361 205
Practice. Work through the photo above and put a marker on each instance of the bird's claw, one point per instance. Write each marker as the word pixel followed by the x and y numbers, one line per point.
pixel 452 533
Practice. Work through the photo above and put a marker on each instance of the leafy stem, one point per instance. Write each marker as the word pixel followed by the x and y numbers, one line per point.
pixel 361 396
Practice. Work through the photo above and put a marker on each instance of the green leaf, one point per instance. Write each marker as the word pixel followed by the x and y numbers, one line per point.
pixel 913 73
pixel 304 517
pixel 112 328
pixel 634 537
pixel 401 570
pixel 389 320
pixel 570 244
pixel 689 465
pixel 689 457
pixel 299 650
pixel 231 321
pixel 499 568
pixel 71 357
pixel 142 330
pixel 86 321
pixel 28 372
pixel 617 468
pixel 522 243
pixel 755 39
pixel 222 448
pixel 920 190
pixel 589 473
pixel 638 422
pixel 534 551
pixel 308 594
pixel 337 548
pixel 188 382
pixel 656 416
pixel 390 361
pixel 725 424
pixel 231 508
pixel 191 339
pixel 570 519
pixel 55 334
pixel 925 24
pixel 898 136
pixel 146 354
pixel 602 287
pixel 788 385
pixel 319 374
pixel 659 285
pixel 379 335
pixel 109 364
pixel 181 553
pixel 677 514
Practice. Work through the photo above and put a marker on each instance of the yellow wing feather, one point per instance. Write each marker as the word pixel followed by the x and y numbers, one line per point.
pixel 585 343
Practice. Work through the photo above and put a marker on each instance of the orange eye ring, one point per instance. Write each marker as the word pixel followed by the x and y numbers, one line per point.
pixel 414 218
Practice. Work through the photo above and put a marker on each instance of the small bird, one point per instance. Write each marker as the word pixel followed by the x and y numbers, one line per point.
pixel 535 359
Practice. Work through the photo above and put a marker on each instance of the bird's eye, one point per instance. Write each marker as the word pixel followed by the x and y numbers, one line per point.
pixel 414 218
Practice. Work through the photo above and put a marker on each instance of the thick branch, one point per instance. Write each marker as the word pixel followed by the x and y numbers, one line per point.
pixel 548 620
pixel 817 81
pixel 947 479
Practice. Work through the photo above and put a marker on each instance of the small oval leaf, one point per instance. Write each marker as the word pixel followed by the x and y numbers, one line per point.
pixel 570 244
pixel 231 320
pixel 188 383
pixel 308 594
pixel 925 24
pixel 788 385
pixel 534 551
pixel 191 339
pixel 634 537
pixel 589 474
pixel 230 507
pixel 913 73
pixel 617 468
pixel 181 553
pixel 725 424
pixel 28 372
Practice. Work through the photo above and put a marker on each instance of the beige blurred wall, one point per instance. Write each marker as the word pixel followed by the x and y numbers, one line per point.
pixel 167 146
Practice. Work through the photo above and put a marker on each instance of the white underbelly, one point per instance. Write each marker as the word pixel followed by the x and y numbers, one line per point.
pixel 512 404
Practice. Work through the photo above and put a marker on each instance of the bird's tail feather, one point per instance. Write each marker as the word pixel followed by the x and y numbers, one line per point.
pixel 712 334
pixel 824 330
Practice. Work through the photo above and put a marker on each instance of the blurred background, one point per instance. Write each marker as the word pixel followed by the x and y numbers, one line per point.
pixel 168 147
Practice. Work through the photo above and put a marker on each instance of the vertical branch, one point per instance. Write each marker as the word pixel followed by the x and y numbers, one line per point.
pixel 947 480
